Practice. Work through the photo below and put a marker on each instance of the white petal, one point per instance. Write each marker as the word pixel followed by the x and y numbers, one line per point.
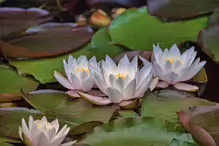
pixel 124 62
pixel 100 82
pixel 67 70
pixel 55 123
pixel 166 53
pixel 93 61
pixel 87 84
pixel 142 74
pixel 63 81
pixel 162 84
pixel 167 67
pixel 73 93
pixel 177 66
pixel 82 76
pixel 83 60
pixel 130 90
pixel 44 119
pixel 71 59
pixel 175 51
pixel 35 135
pixel 25 129
pixel 114 95
pixel 185 87
pixel 69 143
pixel 157 53
pixel 20 133
pixel 75 81
pixel 110 61
pixel 30 122
pixel 61 132
pixel 97 93
pixel 158 70
pixel 171 77
pixel 154 83
pixel 144 86
pixel 43 141
pixel 134 64
pixel 51 134
pixel 95 99
pixel 145 61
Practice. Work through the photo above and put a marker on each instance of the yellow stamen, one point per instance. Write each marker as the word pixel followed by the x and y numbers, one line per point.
pixel 82 70
pixel 121 76
pixel 172 60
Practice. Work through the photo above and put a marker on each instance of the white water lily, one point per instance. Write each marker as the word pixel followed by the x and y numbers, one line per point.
pixel 121 82
pixel 78 74
pixel 172 67
pixel 43 133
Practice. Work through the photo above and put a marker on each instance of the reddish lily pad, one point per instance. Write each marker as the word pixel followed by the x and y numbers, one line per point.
pixel 57 105
pixel 202 123
pixel 15 20
pixel 137 30
pixel 11 120
pixel 175 9
pixel 11 83
pixel 47 40
pixel 208 39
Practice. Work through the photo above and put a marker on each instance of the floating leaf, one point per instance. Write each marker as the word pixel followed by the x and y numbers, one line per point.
pixel 137 30
pixel 174 9
pixel 15 20
pixel 56 104
pixel 167 108
pixel 137 131
pixel 11 83
pixel 101 41
pixel 43 41
pixel 208 40
pixel 127 114
pixel 11 120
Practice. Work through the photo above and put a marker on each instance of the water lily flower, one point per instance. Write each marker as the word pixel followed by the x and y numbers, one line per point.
pixel 173 68
pixel 78 74
pixel 122 82
pixel 43 133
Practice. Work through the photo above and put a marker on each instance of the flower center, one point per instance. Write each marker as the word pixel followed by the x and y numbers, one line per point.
pixel 121 76
pixel 85 69
pixel 173 60
pixel 41 124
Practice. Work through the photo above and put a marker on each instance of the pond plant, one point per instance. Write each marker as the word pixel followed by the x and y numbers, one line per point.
pixel 110 73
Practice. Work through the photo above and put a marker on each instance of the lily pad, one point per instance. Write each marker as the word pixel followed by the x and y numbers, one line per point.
pixel 14 20
pixel 174 9
pixel 167 108
pixel 43 69
pixel 101 41
pixel 43 41
pixel 55 104
pixel 127 114
pixel 137 30
pixel 208 39
pixel 11 83
pixel 137 131
pixel 11 120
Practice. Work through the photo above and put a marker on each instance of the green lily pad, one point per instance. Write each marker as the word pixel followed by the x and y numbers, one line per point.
pixel 127 114
pixel 11 120
pixel 102 42
pixel 167 108
pixel 55 104
pixel 43 41
pixel 137 30
pixel 208 39
pixel 11 83
pixel 174 9
pixel 137 132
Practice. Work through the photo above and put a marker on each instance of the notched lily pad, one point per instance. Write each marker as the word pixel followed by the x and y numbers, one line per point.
pixel 11 83
pixel 136 131
pixel 11 120
pixel 177 10
pixel 208 39
pixel 14 20
pixel 47 40
pixel 137 30
pixel 55 104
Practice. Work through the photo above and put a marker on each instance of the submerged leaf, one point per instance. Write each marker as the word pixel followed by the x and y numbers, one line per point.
pixel 137 30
